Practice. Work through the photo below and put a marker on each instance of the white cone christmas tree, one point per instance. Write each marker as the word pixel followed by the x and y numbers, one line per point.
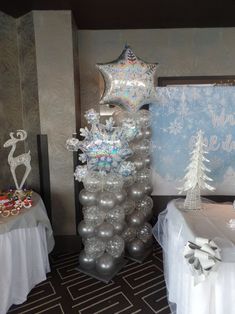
pixel 196 179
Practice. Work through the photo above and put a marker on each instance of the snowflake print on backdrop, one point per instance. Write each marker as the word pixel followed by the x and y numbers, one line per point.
pixel 179 113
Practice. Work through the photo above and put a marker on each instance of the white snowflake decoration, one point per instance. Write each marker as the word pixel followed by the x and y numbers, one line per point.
pixel 105 147
pixel 80 173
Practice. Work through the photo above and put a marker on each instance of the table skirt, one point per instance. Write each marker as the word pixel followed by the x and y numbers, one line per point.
pixel 23 264
pixel 215 295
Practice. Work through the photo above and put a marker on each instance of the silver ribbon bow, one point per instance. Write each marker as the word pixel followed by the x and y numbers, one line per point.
pixel 202 257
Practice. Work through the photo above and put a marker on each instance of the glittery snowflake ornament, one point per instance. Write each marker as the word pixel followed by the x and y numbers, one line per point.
pixel 129 81
pixel 104 147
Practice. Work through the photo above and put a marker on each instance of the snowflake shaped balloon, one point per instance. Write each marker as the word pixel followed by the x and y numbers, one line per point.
pixel 129 81
pixel 105 147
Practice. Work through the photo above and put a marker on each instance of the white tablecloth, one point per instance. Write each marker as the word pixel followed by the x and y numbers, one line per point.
pixel 216 295
pixel 24 252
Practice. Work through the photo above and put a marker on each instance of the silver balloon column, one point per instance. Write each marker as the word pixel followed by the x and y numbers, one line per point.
pixel 103 222
pixel 129 83
pixel 104 199
pixel 138 208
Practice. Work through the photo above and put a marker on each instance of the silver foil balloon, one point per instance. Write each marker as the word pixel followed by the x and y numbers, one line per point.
pixel 105 231
pixel 87 198
pixel 129 81
pixel 129 234
pixel 116 214
pixel 94 247
pixel 148 188
pixel 129 206
pixel 115 246
pixel 106 200
pixel 119 226
pixel 93 215
pixel 143 175
pixel 136 191
pixel 86 230
pixel 121 196
pixel 113 182
pixel 136 248
pixel 136 219
pixel 85 261
pixel 105 264
pixel 93 181
pixel 144 118
pixel 144 233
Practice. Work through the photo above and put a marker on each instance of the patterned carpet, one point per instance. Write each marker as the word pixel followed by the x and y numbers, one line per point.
pixel 138 288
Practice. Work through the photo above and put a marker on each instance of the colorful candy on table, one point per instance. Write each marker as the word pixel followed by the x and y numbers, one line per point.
pixel 12 202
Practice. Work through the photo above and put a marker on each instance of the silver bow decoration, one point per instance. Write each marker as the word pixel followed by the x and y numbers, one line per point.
pixel 202 257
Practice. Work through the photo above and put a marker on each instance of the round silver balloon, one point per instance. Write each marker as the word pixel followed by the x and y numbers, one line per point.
pixel 143 175
pixel 136 219
pixel 93 215
pixel 136 191
pixel 148 188
pixel 105 264
pixel 144 233
pixel 105 231
pixel 116 214
pixel 94 247
pixel 138 163
pixel 121 196
pixel 85 230
pixel 129 206
pixel 119 226
pixel 115 246
pixel 113 182
pixel 106 200
pixel 93 181
pixel 136 248
pixel 87 198
pixel 143 148
pixel 85 261
pixel 144 118
pixel 148 133
pixel 147 161
pixel 140 135
pixel 148 213
pixel 129 234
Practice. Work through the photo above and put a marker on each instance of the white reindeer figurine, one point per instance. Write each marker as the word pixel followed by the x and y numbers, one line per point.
pixel 23 159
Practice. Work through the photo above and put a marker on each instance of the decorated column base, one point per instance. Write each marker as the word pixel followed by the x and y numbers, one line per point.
pixel 106 278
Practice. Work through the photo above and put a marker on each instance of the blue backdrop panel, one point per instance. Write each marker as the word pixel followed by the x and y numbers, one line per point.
pixel 178 114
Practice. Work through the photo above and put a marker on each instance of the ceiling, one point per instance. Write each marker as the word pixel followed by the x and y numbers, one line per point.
pixel 129 14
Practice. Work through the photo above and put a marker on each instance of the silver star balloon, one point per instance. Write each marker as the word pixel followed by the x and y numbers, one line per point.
pixel 129 81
